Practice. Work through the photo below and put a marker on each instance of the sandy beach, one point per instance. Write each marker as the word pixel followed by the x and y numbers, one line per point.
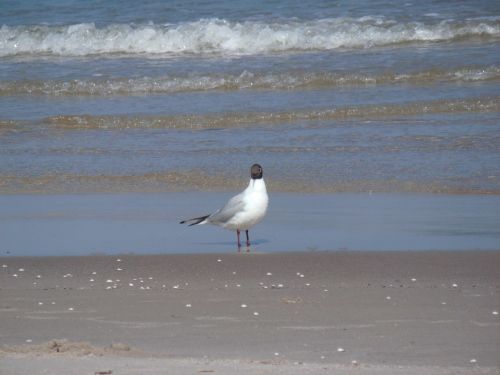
pixel 290 313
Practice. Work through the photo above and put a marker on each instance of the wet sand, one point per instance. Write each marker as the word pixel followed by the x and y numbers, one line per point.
pixel 290 313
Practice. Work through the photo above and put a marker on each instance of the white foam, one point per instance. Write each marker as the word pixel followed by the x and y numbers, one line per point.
pixel 217 36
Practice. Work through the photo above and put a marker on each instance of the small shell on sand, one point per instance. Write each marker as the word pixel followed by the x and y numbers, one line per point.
pixel 340 350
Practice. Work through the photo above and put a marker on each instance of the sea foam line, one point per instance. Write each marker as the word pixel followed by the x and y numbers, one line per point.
pixel 246 119
pixel 222 37
pixel 245 81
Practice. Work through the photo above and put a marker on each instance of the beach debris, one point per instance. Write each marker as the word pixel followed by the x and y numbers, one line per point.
pixel 188 305
pixel 109 281
pixel 238 285
pixel 15 275
pixel 71 309
pixel 494 312
pixel 255 313
pixel 38 276
pixel 118 260
pixel 40 303
pixel 269 274
pixel 91 280
pixel 234 272
pixel 413 279
pixel 276 354
pixel 53 303
pixel 4 266
pixel 292 300
pixel 340 350
pixel 243 305
pixel 94 273
pixel 21 269
pixel 130 284
pixel 308 284
pixel 29 340
pixel 443 303
pixel 176 286
pixel 322 357
pixel 219 260
pixel 67 275
pixel 325 290
pixel 454 285
pixel 388 297
pixel 473 360
pixel 119 269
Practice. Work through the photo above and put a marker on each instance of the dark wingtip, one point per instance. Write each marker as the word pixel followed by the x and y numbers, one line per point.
pixel 195 220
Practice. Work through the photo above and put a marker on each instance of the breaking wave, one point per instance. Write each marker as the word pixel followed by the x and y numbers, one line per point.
pixel 222 37
pixel 244 81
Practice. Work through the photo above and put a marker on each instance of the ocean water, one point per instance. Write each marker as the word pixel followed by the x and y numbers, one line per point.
pixel 329 96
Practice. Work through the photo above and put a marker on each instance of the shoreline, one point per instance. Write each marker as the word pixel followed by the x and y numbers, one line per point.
pixel 375 312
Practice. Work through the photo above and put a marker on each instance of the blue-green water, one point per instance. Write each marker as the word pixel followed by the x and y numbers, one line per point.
pixel 329 96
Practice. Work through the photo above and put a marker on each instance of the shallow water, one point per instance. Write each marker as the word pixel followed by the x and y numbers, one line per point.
pixel 149 223
pixel 328 96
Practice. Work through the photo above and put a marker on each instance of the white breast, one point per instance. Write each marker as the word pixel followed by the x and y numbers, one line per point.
pixel 256 202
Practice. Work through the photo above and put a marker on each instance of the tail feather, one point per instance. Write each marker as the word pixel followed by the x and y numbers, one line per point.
pixel 195 220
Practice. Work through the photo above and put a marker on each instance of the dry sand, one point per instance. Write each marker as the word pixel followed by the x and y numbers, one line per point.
pixel 288 313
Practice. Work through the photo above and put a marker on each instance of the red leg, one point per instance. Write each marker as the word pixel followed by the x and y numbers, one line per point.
pixel 238 236
pixel 248 241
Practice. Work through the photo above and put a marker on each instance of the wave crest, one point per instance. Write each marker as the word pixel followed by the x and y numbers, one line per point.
pixel 244 81
pixel 221 37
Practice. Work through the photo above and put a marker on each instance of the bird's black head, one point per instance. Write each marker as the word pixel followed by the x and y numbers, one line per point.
pixel 256 171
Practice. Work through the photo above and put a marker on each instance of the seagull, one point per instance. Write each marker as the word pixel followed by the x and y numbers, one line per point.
pixel 242 211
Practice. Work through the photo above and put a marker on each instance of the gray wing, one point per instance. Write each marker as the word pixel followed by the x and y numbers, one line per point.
pixel 231 208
